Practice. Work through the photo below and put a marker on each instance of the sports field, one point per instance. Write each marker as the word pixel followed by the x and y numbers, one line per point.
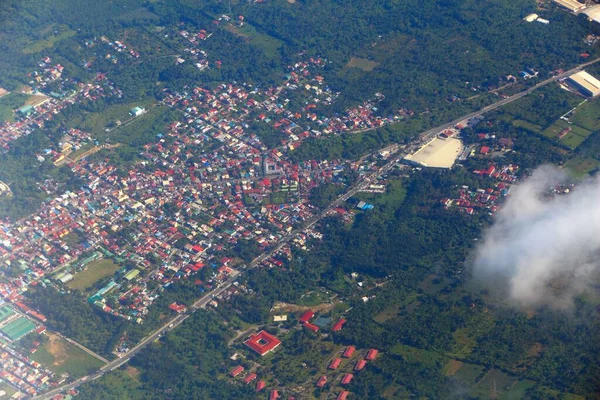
pixel 60 356
pixel 95 271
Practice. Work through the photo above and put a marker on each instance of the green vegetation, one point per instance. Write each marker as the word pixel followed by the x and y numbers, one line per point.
pixel 362 63
pixel 93 272
pixel 60 356
pixel 10 102
pixel 48 42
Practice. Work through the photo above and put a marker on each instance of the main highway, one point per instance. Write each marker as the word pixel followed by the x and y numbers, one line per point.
pixel 361 184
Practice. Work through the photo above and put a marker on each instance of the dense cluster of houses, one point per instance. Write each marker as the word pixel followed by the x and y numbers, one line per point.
pixel 20 372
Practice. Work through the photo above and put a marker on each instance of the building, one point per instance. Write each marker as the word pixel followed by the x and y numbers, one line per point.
pixel 593 13
pixel 26 111
pixel 360 365
pixel 349 351
pixel 438 153
pixel 322 381
pixel 137 111
pixel 311 327
pixel 347 379
pixel 571 5
pixel 280 318
pixel 343 395
pixel 249 378
pixel 262 342
pixel 371 354
pixel 338 325
pixel 585 83
pixel 236 371
pixel 260 385
pixel 335 363
pixel 307 316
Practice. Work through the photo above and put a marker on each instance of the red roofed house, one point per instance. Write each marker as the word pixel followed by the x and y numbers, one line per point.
pixel 322 381
pixel 262 342
pixel 310 326
pixel 349 351
pixel 178 308
pixel 307 316
pixel 360 365
pixel 338 326
pixel 343 394
pixel 335 363
pixel 371 354
pixel 236 371
pixel 260 385
pixel 249 378
pixel 484 150
pixel 274 395
pixel 347 378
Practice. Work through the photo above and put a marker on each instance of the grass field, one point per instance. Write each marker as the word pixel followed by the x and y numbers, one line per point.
pixel 362 63
pixel 452 367
pixel 572 140
pixel 95 271
pixel 8 103
pixel 96 123
pixel 527 125
pixel 581 166
pixel 267 43
pixel 493 384
pixel 468 373
pixel 39 45
pixel 7 389
pixel 588 115
pixel 517 391
pixel 60 356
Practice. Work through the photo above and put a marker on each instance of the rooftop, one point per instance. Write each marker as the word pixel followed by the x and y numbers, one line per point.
pixel 262 342
pixel 438 153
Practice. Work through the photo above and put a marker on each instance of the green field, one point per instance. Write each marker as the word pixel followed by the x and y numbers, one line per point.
pixel 572 140
pixel 268 44
pixel 60 356
pixel 7 389
pixel 8 103
pixel 95 271
pixel 362 63
pixel 527 125
pixel 48 42
pixel 588 115
pixel 97 122
pixel 581 166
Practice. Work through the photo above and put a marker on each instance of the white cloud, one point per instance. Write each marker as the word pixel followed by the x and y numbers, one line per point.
pixel 543 251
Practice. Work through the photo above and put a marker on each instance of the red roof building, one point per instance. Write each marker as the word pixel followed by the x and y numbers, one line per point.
pixel 311 327
pixel 335 363
pixel 322 381
pixel 274 395
pixel 236 371
pixel 178 308
pixel 360 365
pixel 307 316
pixel 262 342
pixel 343 395
pixel 371 354
pixel 260 385
pixel 249 378
pixel 338 326
pixel 484 150
pixel 347 378
pixel 349 351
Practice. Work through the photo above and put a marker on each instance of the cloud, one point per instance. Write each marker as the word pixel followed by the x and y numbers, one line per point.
pixel 543 250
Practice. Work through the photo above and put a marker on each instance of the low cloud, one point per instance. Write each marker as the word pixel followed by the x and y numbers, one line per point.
pixel 541 250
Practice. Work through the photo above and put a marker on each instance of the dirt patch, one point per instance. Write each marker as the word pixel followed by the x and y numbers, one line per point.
pixel 291 1
pixel 452 367
pixel 134 373
pixel 36 100
pixel 286 307
pixel 57 348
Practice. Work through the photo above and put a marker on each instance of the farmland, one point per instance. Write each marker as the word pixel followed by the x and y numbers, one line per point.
pixel 362 63
pixel 95 271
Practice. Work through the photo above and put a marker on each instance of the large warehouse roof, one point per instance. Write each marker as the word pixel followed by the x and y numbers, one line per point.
pixel 593 13
pixel 572 5
pixel 439 153
pixel 587 83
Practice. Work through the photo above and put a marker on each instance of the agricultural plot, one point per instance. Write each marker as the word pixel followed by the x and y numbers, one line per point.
pixel 493 384
pixel 588 116
pixel 94 272
pixel 268 44
pixel 581 166
pixel 62 357
pixel 50 41
pixel 362 63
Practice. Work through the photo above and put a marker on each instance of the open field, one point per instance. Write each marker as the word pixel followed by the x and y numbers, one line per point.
pixel 95 271
pixel 96 123
pixel 362 63
pixel 468 373
pixel 494 383
pixel 572 140
pixel 8 103
pixel 50 41
pixel 588 115
pixel 268 44
pixel 581 166
pixel 452 367
pixel 60 356
pixel 8 391
pixel 527 125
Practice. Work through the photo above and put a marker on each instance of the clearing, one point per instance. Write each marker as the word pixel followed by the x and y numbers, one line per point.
pixel 60 356
pixel 267 43
pixel 452 367
pixel 10 102
pixel 39 45
pixel 95 271
pixel 362 63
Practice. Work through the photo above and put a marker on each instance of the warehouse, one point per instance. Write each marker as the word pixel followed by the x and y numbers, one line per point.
pixel 571 5
pixel 593 13
pixel 585 83
pixel 438 153
pixel 17 328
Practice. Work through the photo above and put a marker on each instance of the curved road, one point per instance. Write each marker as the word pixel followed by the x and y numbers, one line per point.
pixel 359 185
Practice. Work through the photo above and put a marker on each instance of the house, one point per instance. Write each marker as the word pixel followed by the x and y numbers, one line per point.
pixel 322 381
pixel 338 325
pixel 371 354
pixel 307 316
pixel 484 150
pixel 262 342
pixel 335 363
pixel 347 378
pixel 178 308
pixel 311 327
pixel 260 385
pixel 137 111
pixel 349 351
pixel 360 365
pixel 249 378
pixel 236 371
pixel 343 395
pixel 274 395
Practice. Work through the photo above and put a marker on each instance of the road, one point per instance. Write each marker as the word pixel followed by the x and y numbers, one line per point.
pixel 358 186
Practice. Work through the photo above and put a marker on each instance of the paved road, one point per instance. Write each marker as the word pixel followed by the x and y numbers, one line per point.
pixel 359 185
